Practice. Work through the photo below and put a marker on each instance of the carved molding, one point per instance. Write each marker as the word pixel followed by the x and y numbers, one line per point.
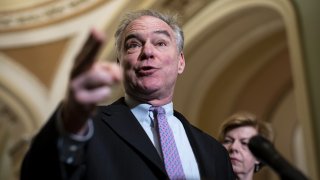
pixel 14 142
pixel 6 114
pixel 185 8
pixel 45 14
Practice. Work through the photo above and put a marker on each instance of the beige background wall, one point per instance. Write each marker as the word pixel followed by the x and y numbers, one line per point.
pixel 254 55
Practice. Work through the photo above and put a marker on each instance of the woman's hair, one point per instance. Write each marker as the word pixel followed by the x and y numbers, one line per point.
pixel 171 20
pixel 242 119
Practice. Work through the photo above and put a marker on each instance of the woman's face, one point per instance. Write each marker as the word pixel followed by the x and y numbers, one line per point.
pixel 236 142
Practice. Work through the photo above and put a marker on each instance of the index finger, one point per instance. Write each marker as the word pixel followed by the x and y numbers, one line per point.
pixel 87 55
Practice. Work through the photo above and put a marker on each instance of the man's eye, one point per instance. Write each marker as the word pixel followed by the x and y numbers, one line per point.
pixel 132 45
pixel 161 44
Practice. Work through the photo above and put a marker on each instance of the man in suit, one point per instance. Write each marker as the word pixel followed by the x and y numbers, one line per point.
pixel 123 140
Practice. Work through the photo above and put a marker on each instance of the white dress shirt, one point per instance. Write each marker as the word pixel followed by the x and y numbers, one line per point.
pixel 146 119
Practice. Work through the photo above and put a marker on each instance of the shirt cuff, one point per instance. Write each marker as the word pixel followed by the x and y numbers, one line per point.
pixel 71 146
pixel 76 137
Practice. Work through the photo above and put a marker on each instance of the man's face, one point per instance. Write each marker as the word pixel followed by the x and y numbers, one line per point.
pixel 150 59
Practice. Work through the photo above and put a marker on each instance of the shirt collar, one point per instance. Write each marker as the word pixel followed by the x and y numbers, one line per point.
pixel 141 110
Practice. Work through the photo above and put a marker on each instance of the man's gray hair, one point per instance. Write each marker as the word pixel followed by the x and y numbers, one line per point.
pixel 171 20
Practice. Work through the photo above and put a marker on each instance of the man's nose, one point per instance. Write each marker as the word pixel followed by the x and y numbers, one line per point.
pixel 147 51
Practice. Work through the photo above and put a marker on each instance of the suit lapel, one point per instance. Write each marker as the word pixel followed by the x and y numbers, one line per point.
pixel 200 157
pixel 119 117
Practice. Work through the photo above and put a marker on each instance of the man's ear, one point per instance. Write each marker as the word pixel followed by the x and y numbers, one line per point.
pixel 181 63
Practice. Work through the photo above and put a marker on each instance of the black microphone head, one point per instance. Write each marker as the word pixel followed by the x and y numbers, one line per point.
pixel 265 152
pixel 261 148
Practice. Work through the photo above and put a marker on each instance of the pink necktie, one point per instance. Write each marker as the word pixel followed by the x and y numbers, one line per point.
pixel 170 153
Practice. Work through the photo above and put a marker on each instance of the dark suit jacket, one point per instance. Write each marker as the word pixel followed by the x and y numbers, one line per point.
pixel 120 149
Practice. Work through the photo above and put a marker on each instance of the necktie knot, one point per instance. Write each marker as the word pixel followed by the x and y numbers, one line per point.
pixel 158 110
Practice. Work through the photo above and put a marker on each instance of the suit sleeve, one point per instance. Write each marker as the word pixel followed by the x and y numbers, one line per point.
pixel 48 157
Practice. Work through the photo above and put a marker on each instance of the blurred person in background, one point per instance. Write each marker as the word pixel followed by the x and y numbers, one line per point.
pixel 235 133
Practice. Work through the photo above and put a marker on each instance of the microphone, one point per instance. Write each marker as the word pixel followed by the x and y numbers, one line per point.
pixel 264 151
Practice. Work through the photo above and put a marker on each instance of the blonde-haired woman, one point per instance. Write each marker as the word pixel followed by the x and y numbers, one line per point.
pixel 235 133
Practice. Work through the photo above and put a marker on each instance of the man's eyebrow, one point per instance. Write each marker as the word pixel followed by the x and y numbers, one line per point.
pixel 163 32
pixel 131 36
pixel 137 36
